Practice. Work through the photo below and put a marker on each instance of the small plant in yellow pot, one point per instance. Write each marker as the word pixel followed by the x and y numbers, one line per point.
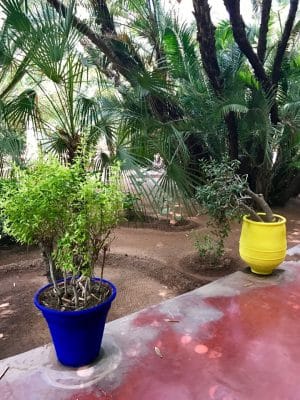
pixel 225 196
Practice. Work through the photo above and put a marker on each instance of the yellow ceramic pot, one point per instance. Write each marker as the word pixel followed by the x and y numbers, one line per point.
pixel 263 244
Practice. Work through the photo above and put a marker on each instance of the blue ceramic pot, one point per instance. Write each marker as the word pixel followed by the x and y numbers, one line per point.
pixel 77 335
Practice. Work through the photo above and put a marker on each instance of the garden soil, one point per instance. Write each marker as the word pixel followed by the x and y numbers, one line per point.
pixel 147 265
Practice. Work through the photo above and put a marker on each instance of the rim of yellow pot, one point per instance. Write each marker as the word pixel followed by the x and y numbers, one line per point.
pixel 280 217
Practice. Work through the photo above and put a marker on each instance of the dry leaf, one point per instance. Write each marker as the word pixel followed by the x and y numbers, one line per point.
pixel 248 284
pixel 172 320
pixel 158 352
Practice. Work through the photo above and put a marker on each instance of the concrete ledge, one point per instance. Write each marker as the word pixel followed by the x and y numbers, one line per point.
pixel 236 338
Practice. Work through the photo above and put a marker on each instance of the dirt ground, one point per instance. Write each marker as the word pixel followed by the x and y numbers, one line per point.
pixel 147 266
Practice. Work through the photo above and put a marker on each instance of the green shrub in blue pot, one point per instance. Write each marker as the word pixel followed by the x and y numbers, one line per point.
pixel 70 214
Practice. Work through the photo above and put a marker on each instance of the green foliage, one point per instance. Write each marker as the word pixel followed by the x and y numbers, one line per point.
pixel 219 198
pixel 5 185
pixel 150 93
pixel 131 208
pixel 17 106
pixel 209 248
pixel 95 210
pixel 221 189
pixel 64 209
pixel 32 31
pixel 36 211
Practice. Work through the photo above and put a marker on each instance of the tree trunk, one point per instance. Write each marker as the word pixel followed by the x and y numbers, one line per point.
pixel 103 17
pixel 206 39
pixel 233 139
pixel 263 30
pixel 125 64
pixel 240 36
pixel 282 45
pixel 269 84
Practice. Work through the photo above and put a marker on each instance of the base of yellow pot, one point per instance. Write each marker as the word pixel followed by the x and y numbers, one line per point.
pixel 261 271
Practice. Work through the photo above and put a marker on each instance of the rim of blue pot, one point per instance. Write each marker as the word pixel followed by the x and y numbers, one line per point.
pixel 85 311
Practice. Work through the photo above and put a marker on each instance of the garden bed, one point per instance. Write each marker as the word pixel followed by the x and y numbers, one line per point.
pixel 147 266
pixel 162 224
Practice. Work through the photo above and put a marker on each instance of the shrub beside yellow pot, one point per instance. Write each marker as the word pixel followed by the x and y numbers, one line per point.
pixel 263 244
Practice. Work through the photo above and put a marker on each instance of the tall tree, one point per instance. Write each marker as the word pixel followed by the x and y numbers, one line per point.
pixel 268 77
pixel 120 52
pixel 268 82
pixel 168 99
pixel 124 58
pixel 17 104
pixel 206 38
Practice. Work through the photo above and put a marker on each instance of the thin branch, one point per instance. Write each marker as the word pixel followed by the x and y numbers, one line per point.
pixel 254 216
pixel 263 30
pixel 260 201
pixel 108 72
pixel 126 62
pixel 47 251
pixel 282 45
pixel 105 249
pixel 86 291
pixel 240 36
pixel 65 283
pixel 103 17
pixel 73 284
pixel 102 43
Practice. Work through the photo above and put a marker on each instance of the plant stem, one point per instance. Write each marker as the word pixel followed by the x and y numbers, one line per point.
pixel 46 249
pixel 52 276
pixel 253 214
pixel 86 290
pixel 260 201
pixel 73 283
pixel 75 296
pixel 65 283
pixel 103 261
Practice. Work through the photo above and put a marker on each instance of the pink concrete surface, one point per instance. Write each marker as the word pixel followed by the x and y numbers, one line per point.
pixel 235 339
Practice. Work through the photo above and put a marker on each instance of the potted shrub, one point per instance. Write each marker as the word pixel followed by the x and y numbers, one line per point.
pixel 225 196
pixel 69 213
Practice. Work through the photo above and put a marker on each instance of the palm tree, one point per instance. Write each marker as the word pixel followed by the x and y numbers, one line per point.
pixel 66 114
pixel 17 105
pixel 155 92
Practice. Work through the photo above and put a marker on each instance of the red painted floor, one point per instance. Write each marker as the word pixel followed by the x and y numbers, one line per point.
pixel 236 347
pixel 253 352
